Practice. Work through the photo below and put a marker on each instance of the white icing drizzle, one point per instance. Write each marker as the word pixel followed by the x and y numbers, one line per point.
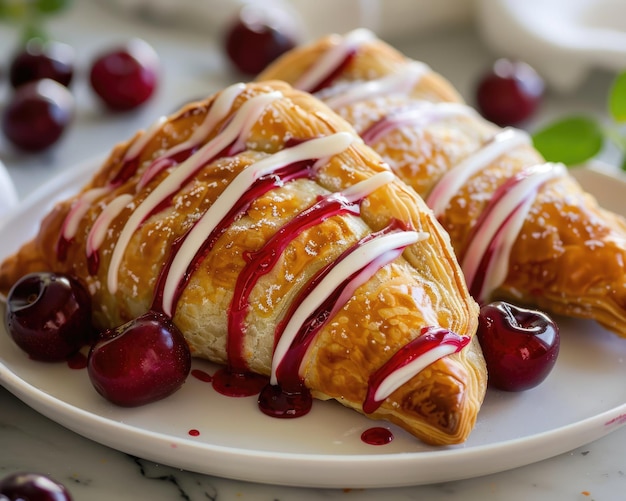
pixel 332 59
pixel 254 107
pixel 401 82
pixel 326 146
pixel 135 149
pixel 502 226
pixel 78 211
pixel 456 177
pixel 400 376
pixel 416 116
pixel 218 111
pixel 100 226
pixel 368 186
pixel 362 256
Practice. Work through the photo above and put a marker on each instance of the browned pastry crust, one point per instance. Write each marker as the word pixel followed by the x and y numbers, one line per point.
pixel 421 287
pixel 569 256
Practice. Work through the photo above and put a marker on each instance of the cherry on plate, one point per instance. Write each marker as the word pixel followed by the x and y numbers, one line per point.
pixel 39 59
pixel 509 92
pixel 256 38
pixel 49 316
pixel 520 345
pixel 37 115
pixel 125 77
pixel 140 362
pixel 32 487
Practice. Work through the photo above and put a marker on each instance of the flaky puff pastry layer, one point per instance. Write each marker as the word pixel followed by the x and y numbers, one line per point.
pixel 124 266
pixel 567 257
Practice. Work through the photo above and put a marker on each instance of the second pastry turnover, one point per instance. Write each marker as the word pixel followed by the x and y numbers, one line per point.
pixel 523 229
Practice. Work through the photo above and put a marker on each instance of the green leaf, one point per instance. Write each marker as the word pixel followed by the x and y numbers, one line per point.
pixel 33 29
pixel 23 10
pixel 571 140
pixel 14 11
pixel 51 6
pixel 617 98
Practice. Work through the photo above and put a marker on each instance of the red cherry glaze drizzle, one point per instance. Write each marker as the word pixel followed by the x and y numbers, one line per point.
pixel 62 247
pixel 262 186
pixel 429 339
pixel 498 226
pixel 418 115
pixel 476 284
pixel 288 396
pixel 287 372
pixel 127 170
pixel 333 75
pixel 263 260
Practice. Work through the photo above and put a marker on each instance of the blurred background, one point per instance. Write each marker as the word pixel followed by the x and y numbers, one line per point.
pixel 576 46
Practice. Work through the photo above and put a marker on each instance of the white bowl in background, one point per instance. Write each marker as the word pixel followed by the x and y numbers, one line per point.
pixel 390 19
pixel 562 39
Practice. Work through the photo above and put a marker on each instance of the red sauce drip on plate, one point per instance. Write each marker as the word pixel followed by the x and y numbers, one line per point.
pixel 275 402
pixel 201 375
pixel 377 436
pixel 238 384
pixel 77 361
pixel 194 433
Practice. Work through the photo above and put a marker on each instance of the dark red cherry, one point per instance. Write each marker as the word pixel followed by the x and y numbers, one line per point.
pixel 49 316
pixel 37 115
pixel 140 362
pixel 127 76
pixel 520 345
pixel 509 93
pixel 42 59
pixel 256 39
pixel 32 487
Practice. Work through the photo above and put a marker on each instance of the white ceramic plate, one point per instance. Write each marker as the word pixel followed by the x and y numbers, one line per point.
pixel 583 399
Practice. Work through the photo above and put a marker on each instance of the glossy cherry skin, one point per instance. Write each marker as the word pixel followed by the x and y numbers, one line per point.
pixel 39 59
pixel 32 487
pixel 509 93
pixel 520 346
pixel 140 362
pixel 49 316
pixel 127 76
pixel 255 40
pixel 37 115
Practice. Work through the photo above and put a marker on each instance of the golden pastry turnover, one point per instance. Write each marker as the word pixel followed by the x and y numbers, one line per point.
pixel 281 245
pixel 522 229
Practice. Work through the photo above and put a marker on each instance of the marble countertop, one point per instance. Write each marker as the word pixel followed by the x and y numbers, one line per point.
pixel 194 66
